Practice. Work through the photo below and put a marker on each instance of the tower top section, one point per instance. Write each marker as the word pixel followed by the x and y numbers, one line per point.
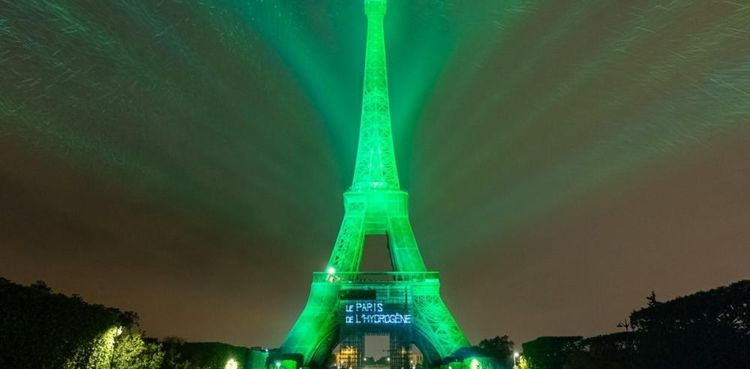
pixel 375 7
pixel 375 168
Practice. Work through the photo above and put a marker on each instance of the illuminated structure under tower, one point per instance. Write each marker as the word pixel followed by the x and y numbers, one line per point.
pixel 346 304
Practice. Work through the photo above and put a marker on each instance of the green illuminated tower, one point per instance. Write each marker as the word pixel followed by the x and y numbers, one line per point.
pixel 375 205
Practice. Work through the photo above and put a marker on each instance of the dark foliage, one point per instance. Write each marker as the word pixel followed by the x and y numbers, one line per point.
pixel 610 351
pixel 550 352
pixel 42 329
pixel 499 349
pixel 181 354
pixel 704 330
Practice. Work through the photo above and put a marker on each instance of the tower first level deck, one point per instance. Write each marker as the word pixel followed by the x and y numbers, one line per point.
pixel 343 308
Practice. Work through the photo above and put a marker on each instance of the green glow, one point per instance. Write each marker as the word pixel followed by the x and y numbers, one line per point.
pixel 477 363
pixel 375 204
pixel 287 364
pixel 231 364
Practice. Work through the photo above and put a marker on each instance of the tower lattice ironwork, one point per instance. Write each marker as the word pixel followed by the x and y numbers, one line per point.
pixel 375 204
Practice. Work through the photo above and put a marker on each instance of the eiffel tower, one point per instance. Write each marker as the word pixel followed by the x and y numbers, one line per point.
pixel 345 304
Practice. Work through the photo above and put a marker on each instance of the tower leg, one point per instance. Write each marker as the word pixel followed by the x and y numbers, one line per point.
pixel 403 246
pixel 347 252
pixel 434 322
pixel 316 330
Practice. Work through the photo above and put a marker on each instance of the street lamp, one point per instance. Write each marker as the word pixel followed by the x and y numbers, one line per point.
pixel 331 277
pixel 515 357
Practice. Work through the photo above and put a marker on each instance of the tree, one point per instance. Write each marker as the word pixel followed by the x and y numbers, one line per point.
pixel 609 351
pixel 41 286
pixel 132 352
pixel 172 356
pixel 499 348
pixel 200 355
pixel 652 301
pixel 550 352
pixel 703 330
pixel 42 329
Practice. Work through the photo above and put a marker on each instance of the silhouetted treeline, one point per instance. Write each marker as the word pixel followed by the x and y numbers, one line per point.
pixel 611 351
pixel 491 353
pixel 550 352
pixel 199 355
pixel 704 330
pixel 41 329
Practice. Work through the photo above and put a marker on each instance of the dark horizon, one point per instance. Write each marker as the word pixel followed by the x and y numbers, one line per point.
pixel 187 162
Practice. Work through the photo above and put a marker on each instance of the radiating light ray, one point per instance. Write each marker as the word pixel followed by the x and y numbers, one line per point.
pixel 97 144
pixel 226 107
pixel 657 134
pixel 609 161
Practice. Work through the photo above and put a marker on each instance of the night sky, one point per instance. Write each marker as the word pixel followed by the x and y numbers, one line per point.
pixel 186 159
